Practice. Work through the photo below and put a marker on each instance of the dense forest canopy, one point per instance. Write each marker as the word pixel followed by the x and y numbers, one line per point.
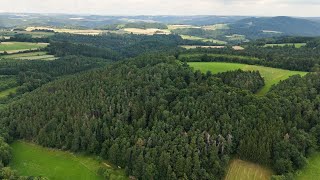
pixel 158 119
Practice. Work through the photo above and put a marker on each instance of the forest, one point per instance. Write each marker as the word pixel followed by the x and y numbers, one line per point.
pixel 133 100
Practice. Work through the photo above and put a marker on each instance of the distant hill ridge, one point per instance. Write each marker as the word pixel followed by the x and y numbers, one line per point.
pixel 285 25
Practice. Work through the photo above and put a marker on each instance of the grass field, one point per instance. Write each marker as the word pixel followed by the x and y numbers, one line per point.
pixel 71 31
pixel 218 55
pixel 41 55
pixel 312 170
pixel 271 75
pixel 297 45
pixel 150 31
pixel 33 160
pixel 242 170
pixel 195 38
pixel 11 47
pixel 238 48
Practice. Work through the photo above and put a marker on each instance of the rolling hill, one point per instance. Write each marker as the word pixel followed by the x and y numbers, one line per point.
pixel 274 26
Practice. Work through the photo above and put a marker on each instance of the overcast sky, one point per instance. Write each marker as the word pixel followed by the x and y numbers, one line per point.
pixel 166 7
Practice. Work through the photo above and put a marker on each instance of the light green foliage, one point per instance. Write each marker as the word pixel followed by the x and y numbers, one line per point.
pixel 20 46
pixel 271 75
pixel 7 92
pixel 32 160
pixel 239 169
pixel 312 170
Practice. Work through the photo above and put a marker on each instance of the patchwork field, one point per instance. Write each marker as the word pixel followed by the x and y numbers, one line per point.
pixel 217 56
pixel 13 47
pixel 195 38
pixel 150 31
pixel 238 48
pixel 271 76
pixel 312 170
pixel 181 26
pixel 297 45
pixel 71 31
pixel 33 160
pixel 242 170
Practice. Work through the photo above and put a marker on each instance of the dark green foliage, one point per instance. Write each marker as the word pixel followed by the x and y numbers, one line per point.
pixel 115 46
pixel 247 80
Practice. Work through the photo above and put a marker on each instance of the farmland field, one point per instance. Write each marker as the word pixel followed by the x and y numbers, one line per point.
pixel 150 31
pixel 312 170
pixel 238 48
pixel 195 38
pixel 271 75
pixel 242 170
pixel 297 45
pixel 33 160
pixel 41 55
pixel 218 55
pixel 12 47
pixel 71 31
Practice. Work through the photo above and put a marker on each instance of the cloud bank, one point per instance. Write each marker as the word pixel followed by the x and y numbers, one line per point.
pixel 167 7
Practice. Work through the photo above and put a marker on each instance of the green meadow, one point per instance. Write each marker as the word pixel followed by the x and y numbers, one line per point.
pixel 195 38
pixel 271 75
pixel 312 170
pixel 297 45
pixel 199 55
pixel 12 47
pixel 33 160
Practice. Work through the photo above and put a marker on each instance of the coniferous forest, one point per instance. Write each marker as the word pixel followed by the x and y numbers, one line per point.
pixel 134 101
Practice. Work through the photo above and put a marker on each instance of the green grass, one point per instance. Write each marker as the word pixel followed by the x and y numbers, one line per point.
pixel 217 56
pixel 21 55
pixel 41 55
pixel 312 170
pixel 195 38
pixel 296 45
pixel 7 92
pixel 271 75
pixel 33 160
pixel 19 46
pixel 242 170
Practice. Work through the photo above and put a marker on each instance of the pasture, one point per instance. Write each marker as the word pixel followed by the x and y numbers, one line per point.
pixel 296 45
pixel 14 47
pixel 237 48
pixel 33 160
pixel 271 76
pixel 181 26
pixel 312 169
pixel 195 38
pixel 71 31
pixel 150 31
pixel 242 170
pixel 199 55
